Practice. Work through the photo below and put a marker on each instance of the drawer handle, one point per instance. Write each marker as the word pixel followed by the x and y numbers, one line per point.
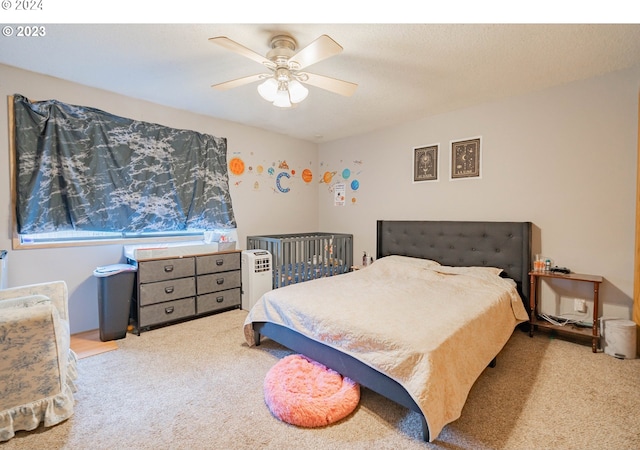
pixel 219 262
pixel 220 281
pixel 220 299
pixel 168 268
pixel 169 289
pixel 168 309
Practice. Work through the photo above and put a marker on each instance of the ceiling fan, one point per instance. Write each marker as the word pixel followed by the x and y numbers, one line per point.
pixel 283 85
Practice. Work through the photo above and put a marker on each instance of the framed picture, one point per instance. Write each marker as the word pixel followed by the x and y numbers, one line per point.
pixel 425 163
pixel 466 159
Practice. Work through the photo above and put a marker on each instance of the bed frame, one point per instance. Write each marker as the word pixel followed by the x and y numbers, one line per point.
pixel 494 244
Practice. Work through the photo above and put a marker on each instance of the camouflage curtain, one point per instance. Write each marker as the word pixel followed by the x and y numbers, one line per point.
pixel 80 168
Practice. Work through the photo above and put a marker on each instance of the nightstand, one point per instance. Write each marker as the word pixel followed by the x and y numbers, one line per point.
pixel 534 321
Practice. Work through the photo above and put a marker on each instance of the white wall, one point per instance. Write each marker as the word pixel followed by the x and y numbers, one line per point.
pixel 259 209
pixel 563 158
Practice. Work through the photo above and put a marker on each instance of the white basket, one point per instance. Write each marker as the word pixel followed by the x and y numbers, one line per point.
pixel 619 338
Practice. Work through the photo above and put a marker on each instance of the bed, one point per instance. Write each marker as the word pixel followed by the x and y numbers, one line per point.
pixel 367 324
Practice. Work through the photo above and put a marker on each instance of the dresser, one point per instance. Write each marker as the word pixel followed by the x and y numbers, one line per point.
pixel 170 290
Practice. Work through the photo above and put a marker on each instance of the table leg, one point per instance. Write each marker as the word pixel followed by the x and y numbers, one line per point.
pixel 595 331
pixel 532 302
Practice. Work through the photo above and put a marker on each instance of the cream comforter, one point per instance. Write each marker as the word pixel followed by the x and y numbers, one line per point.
pixel 432 328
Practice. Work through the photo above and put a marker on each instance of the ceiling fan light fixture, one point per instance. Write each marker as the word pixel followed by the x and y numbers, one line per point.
pixel 269 89
pixel 282 99
pixel 297 92
pixel 286 63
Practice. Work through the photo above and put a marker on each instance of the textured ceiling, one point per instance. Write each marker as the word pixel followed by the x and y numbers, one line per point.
pixel 403 71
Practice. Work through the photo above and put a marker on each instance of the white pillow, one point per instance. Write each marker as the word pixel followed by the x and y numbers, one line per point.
pixel 486 273
pixel 408 260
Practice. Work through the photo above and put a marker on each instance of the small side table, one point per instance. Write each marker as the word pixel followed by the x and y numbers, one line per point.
pixel 570 329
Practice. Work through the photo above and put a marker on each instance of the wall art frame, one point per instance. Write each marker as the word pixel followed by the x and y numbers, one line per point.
pixel 466 158
pixel 425 163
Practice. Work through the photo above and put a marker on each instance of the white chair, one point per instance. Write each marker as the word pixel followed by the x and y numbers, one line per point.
pixel 37 366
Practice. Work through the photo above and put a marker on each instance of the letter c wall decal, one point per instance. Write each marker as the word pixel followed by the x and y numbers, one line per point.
pixel 278 185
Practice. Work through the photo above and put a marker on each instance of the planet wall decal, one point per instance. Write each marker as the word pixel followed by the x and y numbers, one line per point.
pixel 236 166
pixel 327 177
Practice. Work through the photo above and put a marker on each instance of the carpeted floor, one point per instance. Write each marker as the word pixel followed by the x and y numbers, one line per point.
pixel 197 385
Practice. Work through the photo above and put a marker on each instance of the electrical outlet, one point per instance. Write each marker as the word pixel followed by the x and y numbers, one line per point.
pixel 580 305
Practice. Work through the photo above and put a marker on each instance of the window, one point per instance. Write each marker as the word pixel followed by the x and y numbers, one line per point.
pixel 81 174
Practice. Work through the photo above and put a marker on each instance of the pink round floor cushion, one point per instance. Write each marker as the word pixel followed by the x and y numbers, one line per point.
pixel 305 393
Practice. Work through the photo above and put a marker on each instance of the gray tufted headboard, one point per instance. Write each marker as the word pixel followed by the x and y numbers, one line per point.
pixel 506 245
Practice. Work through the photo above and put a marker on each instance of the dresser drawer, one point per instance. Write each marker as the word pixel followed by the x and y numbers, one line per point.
pixel 162 291
pixel 218 282
pixel 218 300
pixel 221 262
pixel 166 312
pixel 166 269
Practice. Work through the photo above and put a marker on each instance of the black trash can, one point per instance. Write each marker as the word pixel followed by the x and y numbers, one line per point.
pixel 115 289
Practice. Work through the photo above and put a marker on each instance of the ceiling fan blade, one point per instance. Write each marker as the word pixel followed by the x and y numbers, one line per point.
pixel 321 48
pixel 331 84
pixel 239 82
pixel 240 49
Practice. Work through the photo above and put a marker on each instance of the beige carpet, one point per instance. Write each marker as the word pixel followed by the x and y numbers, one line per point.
pixel 197 385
